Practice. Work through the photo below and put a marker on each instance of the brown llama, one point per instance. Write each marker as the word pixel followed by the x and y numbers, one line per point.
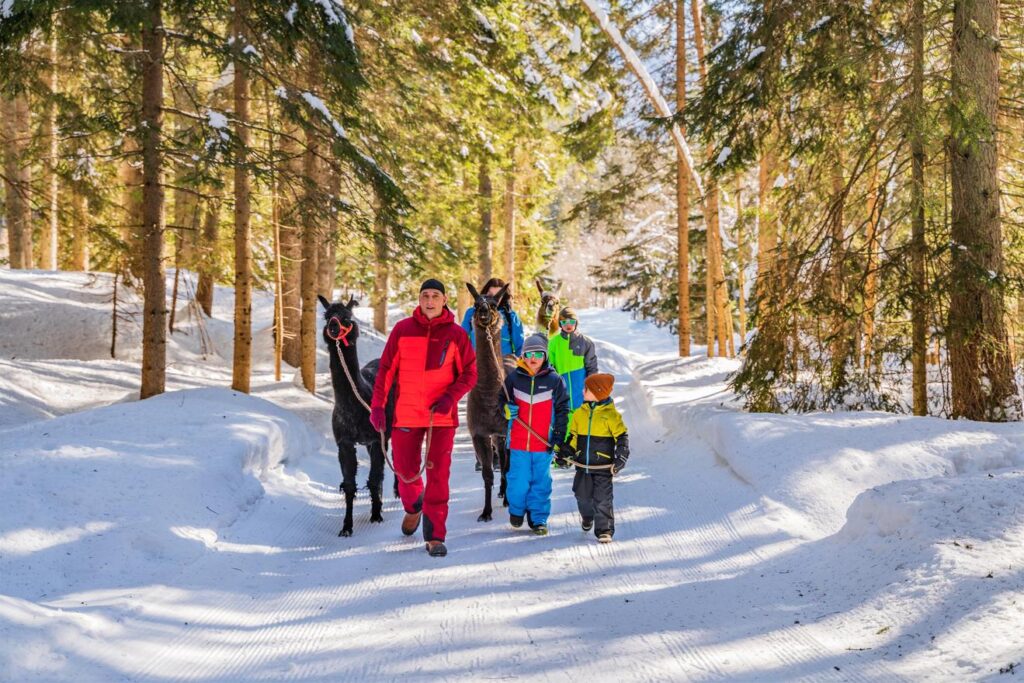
pixel 486 424
pixel 547 313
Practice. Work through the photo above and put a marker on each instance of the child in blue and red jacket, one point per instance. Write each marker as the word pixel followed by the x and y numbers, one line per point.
pixel 540 400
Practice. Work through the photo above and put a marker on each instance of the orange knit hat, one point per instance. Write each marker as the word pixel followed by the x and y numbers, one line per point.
pixel 600 385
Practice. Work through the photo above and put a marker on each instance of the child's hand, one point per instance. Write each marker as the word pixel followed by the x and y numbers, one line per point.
pixel 561 452
pixel 618 465
pixel 511 411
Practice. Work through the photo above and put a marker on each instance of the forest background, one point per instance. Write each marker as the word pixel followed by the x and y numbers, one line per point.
pixel 831 190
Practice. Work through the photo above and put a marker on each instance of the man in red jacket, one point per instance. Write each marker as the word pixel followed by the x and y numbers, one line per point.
pixel 429 359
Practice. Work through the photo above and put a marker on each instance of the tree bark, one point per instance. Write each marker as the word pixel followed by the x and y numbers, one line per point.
pixel 241 369
pixel 484 236
pixel 49 235
pixel 682 190
pixel 871 279
pixel 154 324
pixel 741 260
pixel 18 180
pixel 382 272
pixel 291 247
pixel 983 385
pixel 310 241
pixel 80 232
pixel 918 304
pixel 207 255
pixel 510 220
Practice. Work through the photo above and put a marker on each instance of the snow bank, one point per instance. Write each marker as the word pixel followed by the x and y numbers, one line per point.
pixel 817 464
pixel 111 494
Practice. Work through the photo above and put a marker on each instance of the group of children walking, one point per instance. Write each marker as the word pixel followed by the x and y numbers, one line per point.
pixel 560 407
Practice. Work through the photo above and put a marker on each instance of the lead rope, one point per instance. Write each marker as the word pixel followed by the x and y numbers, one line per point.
pixel 383 442
pixel 530 429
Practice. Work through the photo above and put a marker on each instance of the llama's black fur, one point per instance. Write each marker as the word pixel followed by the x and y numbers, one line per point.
pixel 350 421
pixel 483 406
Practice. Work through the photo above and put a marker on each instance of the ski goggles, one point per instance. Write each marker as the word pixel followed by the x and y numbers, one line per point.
pixel 534 354
pixel 567 321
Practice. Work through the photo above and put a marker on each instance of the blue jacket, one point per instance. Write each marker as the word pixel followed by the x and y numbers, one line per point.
pixel 511 342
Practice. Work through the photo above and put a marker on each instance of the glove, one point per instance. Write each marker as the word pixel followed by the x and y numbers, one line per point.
pixel 618 465
pixel 377 419
pixel 559 453
pixel 511 411
pixel 442 405
pixel 564 453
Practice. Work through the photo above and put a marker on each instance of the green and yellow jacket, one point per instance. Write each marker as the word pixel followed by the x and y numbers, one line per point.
pixel 598 435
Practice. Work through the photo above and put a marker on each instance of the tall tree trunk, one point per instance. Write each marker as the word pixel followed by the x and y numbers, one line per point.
pixel 741 260
pixel 767 227
pixel 130 176
pixel 80 231
pixel 719 322
pixel 154 322
pixel 871 279
pixel 484 236
pixel 510 220
pixel 918 304
pixel 382 272
pixel 291 246
pixel 310 242
pixel 207 256
pixel 49 235
pixel 241 369
pixel 983 385
pixel 682 191
pixel 837 256
pixel 18 179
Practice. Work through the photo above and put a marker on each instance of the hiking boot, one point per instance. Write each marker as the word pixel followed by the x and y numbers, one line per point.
pixel 411 522
pixel 588 523
pixel 540 529
pixel 515 520
pixel 604 538
pixel 436 549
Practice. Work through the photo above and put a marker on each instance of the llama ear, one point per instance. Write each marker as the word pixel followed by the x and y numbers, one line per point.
pixel 324 302
pixel 540 287
pixel 504 294
pixel 352 303
pixel 472 291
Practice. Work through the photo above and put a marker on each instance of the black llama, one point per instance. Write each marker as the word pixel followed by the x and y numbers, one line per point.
pixel 483 414
pixel 350 419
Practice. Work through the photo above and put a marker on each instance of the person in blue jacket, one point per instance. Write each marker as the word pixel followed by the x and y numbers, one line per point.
pixel 511 328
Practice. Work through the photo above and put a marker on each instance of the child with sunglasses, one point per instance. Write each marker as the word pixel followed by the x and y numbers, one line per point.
pixel 572 355
pixel 538 413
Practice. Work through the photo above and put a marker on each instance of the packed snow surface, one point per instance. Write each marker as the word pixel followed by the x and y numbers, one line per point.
pixel 193 536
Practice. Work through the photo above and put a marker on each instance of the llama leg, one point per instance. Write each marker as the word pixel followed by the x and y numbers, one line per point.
pixel 482 446
pixel 376 480
pixel 503 459
pixel 349 464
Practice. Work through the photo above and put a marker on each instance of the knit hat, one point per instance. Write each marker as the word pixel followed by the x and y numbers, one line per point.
pixel 567 313
pixel 600 385
pixel 536 342
pixel 433 284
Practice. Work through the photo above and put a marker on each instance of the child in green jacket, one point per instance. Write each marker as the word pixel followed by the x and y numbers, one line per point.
pixel 597 436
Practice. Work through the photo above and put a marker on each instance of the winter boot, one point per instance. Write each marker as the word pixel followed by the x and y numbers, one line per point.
pixel 604 538
pixel 588 523
pixel 436 549
pixel 411 521
pixel 515 520
pixel 540 529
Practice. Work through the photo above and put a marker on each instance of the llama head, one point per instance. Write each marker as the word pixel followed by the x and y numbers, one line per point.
pixel 339 322
pixel 549 302
pixel 486 313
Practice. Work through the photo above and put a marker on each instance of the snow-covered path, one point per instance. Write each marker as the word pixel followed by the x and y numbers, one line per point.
pixel 708 578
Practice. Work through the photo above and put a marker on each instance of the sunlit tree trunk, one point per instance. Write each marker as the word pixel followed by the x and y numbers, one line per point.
pixel 18 181
pixel 682 190
pixel 291 247
pixel 510 220
pixel 382 272
pixel 918 304
pixel 154 325
pixel 48 236
pixel 484 237
pixel 983 385
pixel 242 358
pixel 741 260
pixel 80 231
pixel 206 265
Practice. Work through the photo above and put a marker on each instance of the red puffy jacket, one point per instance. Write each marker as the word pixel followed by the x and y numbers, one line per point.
pixel 425 359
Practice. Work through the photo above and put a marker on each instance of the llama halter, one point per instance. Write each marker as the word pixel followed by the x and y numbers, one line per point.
pixel 343 333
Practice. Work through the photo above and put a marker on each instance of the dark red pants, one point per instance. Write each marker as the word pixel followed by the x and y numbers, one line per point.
pixel 407 452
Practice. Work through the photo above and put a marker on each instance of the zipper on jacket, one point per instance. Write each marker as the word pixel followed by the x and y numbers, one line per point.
pixel 590 428
pixel 530 415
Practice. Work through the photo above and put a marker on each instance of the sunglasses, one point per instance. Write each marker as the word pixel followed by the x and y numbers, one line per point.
pixel 567 321
pixel 534 354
